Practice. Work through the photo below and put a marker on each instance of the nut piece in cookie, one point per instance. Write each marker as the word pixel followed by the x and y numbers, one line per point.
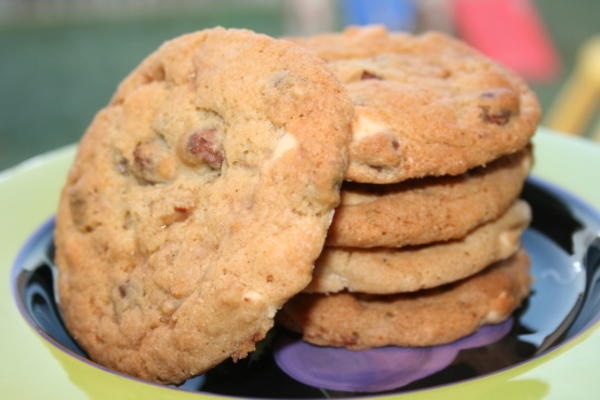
pixel 203 146
pixel 153 162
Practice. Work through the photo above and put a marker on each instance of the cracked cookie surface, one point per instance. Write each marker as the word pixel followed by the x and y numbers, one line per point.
pixel 425 318
pixel 198 201
pixel 425 105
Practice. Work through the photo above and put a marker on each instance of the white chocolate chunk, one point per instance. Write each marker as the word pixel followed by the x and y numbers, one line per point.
pixel 285 143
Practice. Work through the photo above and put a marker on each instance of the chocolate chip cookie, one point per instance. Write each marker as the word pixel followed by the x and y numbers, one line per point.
pixel 425 318
pixel 407 269
pixel 198 202
pixel 427 210
pixel 425 105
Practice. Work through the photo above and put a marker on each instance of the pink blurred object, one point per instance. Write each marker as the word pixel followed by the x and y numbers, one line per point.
pixel 511 32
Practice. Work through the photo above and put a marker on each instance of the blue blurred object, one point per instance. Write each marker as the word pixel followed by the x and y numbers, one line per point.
pixel 397 15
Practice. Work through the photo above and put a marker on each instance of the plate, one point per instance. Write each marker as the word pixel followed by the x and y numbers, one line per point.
pixel 562 327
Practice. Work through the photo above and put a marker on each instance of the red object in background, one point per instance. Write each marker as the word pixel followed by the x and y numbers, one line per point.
pixel 509 31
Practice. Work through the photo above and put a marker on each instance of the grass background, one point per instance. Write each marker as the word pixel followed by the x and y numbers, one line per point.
pixel 55 75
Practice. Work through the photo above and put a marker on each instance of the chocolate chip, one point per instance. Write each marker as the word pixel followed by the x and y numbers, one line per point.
pixel 377 168
pixel 179 214
pixel 123 166
pixel 81 215
pixel 369 75
pixel 142 158
pixel 203 146
pixel 77 205
pixel 122 290
pixel 128 220
pixel 120 162
pixel 153 162
pixel 488 95
pixel 352 340
pixel 499 118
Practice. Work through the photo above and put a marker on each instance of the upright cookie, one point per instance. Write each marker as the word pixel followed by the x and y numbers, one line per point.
pixel 386 271
pixel 427 210
pixel 425 105
pixel 425 318
pixel 198 202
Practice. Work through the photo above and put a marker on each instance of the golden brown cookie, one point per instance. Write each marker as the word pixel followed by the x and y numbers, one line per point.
pixel 198 202
pixel 428 209
pixel 425 318
pixel 387 271
pixel 425 105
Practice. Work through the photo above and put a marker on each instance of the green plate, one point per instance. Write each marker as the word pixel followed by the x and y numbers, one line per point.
pixel 31 368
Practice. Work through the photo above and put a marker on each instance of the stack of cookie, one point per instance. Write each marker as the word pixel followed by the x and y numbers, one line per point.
pixel 425 246
pixel 203 193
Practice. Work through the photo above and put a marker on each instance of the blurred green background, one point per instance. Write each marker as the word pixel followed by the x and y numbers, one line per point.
pixel 57 70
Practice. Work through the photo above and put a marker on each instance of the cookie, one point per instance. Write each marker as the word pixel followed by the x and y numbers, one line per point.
pixel 425 105
pixel 387 271
pixel 198 202
pixel 425 318
pixel 427 210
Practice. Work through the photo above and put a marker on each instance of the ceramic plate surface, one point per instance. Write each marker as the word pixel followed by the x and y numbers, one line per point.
pixel 550 351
